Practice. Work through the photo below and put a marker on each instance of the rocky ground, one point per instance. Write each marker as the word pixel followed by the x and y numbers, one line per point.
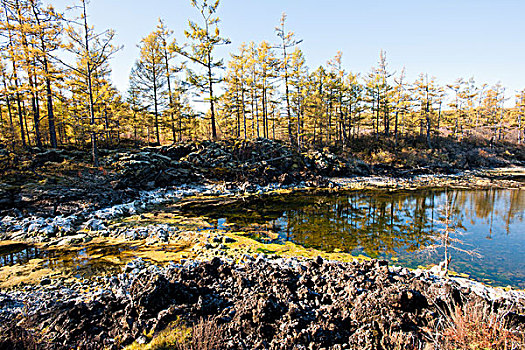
pixel 260 303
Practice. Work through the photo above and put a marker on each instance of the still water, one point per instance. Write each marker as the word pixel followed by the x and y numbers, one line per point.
pixel 80 262
pixel 488 227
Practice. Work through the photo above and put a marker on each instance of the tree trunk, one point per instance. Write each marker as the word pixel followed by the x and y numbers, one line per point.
pixel 94 149
pixel 19 106
pixel 156 105
pixel 167 67
pixel 36 112
pixel 395 128
pixel 212 103
pixel 243 111
pixel 10 114
pixel 329 127
pixel 264 113
pixel 49 94
pixel 519 129
pixel 378 107
pixel 25 123
pixel 439 118
pixel 257 113
pixel 238 115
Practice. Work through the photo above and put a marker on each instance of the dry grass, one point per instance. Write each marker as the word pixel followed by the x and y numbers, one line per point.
pixel 474 325
pixel 205 335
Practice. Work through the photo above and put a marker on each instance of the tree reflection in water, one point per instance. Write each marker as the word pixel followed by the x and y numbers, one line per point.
pixel 397 225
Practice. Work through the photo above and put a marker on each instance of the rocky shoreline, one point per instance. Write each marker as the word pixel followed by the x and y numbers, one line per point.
pixel 34 228
pixel 258 303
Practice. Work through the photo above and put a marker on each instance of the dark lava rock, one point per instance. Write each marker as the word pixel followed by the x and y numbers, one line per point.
pixel 261 304
pixel 123 173
pixel 260 161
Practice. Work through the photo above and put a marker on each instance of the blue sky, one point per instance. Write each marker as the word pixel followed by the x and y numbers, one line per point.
pixel 446 38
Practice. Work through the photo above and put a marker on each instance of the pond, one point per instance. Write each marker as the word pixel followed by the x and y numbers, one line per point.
pixel 487 227
pixel 99 257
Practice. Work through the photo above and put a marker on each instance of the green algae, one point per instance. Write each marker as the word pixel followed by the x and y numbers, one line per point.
pixel 99 257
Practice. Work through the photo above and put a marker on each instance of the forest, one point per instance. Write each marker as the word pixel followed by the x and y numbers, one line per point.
pixel 56 89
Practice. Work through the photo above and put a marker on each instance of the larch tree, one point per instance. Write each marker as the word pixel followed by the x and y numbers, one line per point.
pixel 400 103
pixel 493 106
pixel 333 85
pixel 268 72
pixel 287 42
pixel 205 38
pixel 236 89
pixel 149 75
pixel 319 104
pixel 47 30
pixel 456 102
pixel 168 46
pixel 314 103
pixel 385 90
pixel 354 90
pixel 298 85
pixel 470 95
pixel 136 112
pixel 427 93
pixel 252 82
pixel 12 47
pixel 373 99
pixel 338 96
pixel 92 51
pixel 381 93
pixel 5 90
pixel 17 18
